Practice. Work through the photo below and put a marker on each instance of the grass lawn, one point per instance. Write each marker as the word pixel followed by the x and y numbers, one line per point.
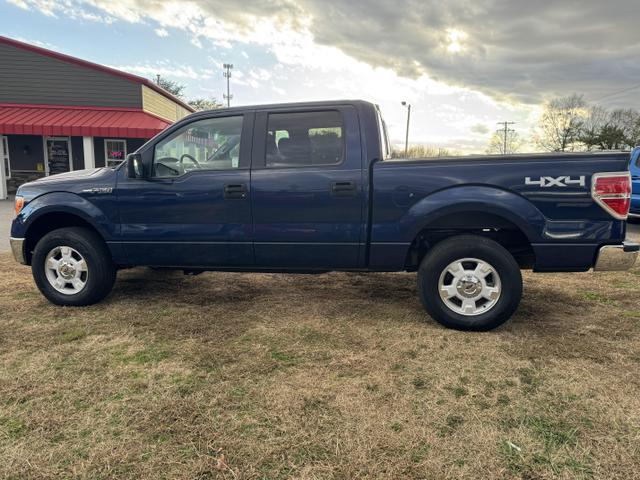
pixel 340 375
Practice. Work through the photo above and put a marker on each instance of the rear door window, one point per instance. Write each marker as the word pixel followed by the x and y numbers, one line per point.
pixel 304 139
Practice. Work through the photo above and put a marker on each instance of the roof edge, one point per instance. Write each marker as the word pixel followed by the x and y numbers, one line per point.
pixel 95 66
pixel 87 107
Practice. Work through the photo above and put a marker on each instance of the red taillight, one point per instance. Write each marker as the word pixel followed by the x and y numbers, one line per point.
pixel 612 191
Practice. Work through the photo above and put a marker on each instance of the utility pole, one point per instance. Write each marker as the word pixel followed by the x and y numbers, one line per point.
pixel 406 138
pixel 227 75
pixel 506 131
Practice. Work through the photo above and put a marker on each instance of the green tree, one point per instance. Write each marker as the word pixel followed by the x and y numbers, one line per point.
pixel 171 86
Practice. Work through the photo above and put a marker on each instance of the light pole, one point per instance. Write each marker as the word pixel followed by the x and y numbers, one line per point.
pixel 406 138
pixel 227 74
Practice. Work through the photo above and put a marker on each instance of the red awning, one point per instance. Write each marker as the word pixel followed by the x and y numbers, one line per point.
pixel 53 120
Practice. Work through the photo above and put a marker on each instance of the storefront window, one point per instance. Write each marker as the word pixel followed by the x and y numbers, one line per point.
pixel 115 152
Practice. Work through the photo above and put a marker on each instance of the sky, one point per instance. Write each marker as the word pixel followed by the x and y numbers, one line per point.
pixel 463 65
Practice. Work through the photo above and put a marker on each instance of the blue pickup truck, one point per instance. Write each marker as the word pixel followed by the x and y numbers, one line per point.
pixel 310 188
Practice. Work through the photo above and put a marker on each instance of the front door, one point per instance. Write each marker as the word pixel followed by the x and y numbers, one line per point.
pixel 307 189
pixel 58 151
pixel 195 209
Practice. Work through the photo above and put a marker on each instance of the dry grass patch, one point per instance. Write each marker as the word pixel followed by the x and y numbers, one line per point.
pixel 332 376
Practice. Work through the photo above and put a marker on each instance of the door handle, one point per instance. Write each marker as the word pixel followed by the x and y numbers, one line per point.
pixel 343 189
pixel 235 191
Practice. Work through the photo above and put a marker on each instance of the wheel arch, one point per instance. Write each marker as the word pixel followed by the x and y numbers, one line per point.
pixel 511 220
pixel 50 221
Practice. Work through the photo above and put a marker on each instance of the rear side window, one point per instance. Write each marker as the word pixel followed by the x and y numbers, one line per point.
pixel 304 139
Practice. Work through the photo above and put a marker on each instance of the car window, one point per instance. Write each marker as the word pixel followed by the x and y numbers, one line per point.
pixel 209 144
pixel 304 139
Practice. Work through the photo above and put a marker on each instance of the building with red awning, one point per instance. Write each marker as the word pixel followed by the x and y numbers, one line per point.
pixel 59 113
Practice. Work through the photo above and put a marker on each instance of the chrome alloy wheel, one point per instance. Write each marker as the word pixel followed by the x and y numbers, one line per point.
pixel 469 286
pixel 66 270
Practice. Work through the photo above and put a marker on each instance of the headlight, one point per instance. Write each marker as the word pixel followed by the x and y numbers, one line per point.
pixel 19 204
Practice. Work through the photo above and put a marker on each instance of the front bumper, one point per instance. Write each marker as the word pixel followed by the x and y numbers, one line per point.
pixel 617 257
pixel 17 247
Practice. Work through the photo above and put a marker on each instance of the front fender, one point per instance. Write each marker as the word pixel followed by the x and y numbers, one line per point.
pixel 63 202
pixel 473 198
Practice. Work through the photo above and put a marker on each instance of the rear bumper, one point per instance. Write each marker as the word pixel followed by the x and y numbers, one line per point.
pixel 617 257
pixel 17 247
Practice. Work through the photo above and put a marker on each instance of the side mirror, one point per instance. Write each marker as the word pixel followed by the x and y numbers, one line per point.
pixel 135 167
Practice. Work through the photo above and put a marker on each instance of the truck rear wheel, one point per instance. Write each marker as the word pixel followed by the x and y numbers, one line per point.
pixel 469 282
pixel 73 267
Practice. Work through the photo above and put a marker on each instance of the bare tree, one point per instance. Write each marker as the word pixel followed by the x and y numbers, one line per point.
pixel 561 122
pixel 497 142
pixel 594 121
pixel 200 104
pixel 422 151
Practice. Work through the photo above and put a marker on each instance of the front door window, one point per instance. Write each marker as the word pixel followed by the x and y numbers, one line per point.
pixel 209 144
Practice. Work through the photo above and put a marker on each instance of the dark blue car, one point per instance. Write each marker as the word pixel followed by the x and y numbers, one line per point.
pixel 311 187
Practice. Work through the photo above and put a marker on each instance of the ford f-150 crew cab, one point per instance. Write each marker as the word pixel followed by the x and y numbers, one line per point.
pixel 310 188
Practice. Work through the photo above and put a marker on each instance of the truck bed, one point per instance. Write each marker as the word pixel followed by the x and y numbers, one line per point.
pixel 546 196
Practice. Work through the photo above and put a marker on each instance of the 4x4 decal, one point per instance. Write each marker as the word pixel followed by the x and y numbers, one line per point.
pixel 561 181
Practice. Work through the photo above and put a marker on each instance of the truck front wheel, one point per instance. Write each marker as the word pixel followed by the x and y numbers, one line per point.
pixel 72 266
pixel 470 282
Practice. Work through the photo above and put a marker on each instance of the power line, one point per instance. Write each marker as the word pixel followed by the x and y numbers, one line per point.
pixel 613 94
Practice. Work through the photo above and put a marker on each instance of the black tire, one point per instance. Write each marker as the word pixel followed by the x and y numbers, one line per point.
pixel 460 247
pixel 101 272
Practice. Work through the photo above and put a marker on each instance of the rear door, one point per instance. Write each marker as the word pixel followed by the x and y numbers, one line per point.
pixel 307 192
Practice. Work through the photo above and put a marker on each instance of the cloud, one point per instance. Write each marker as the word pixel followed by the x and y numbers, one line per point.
pixel 167 69
pixel 161 32
pixel 463 64
pixel 480 129
pixel 517 49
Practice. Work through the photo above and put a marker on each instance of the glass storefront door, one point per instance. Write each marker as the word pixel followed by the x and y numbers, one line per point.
pixel 58 150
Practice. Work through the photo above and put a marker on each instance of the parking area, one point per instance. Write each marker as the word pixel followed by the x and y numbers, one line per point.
pixel 633 231
pixel 6 216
